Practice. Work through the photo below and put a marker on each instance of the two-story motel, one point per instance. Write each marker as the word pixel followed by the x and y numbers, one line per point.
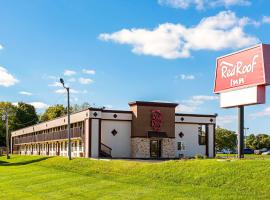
pixel 148 130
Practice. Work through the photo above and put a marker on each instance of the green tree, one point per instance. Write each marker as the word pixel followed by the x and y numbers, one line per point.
pixel 53 112
pixel 258 141
pixel 225 139
pixel 25 115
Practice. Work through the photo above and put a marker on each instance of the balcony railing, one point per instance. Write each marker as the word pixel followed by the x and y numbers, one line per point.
pixel 58 135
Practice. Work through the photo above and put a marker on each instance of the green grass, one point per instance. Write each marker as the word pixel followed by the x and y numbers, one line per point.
pixel 36 177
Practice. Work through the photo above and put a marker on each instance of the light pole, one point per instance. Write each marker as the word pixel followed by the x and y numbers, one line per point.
pixel 68 114
pixel 246 129
pixel 5 118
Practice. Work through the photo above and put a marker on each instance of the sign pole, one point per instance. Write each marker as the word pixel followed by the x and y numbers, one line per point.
pixel 240 132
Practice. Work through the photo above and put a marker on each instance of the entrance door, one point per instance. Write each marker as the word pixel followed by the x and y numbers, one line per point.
pixel 155 148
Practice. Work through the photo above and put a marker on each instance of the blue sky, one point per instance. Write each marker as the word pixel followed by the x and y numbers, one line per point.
pixel 114 52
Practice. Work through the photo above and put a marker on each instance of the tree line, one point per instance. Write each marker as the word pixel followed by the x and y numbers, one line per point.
pixel 226 139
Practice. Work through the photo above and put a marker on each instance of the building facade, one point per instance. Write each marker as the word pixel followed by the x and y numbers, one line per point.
pixel 148 130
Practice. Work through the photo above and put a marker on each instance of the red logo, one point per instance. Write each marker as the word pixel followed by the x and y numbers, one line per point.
pixel 156 120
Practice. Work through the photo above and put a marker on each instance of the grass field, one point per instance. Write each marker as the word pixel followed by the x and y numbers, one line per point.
pixel 36 177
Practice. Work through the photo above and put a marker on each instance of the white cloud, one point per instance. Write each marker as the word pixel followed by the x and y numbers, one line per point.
pixel 39 105
pixel 205 98
pixel 85 81
pixel 6 79
pixel 71 80
pixel 55 84
pixel 89 71
pixel 25 93
pixel 266 20
pixel 170 41
pixel 265 112
pixel 1 47
pixel 185 77
pixel 64 91
pixel 226 119
pixel 202 4
pixel 69 72
pixel 191 105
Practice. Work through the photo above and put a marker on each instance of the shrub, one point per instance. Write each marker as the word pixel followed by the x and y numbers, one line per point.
pixel 198 156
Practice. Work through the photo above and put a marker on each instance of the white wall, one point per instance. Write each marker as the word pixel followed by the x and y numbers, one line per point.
pixel 94 138
pixel 211 140
pixel 121 142
pixel 190 140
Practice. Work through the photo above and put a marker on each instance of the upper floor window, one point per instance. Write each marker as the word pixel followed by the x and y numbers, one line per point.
pixel 202 134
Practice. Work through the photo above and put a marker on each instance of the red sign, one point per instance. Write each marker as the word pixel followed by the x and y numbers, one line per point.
pixel 156 120
pixel 244 68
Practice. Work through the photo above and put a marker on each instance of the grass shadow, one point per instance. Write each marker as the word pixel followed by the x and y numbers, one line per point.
pixel 5 163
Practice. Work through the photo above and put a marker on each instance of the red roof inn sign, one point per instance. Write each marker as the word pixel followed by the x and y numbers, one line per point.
pixel 241 77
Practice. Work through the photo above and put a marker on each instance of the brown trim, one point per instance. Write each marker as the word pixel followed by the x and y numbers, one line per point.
pixel 123 120
pixel 194 123
pixel 158 104
pixel 117 111
pixel 89 138
pixel 99 136
pixel 95 109
pixel 195 115
pixel 207 140
pixel 149 137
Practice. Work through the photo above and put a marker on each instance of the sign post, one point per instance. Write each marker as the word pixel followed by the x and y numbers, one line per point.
pixel 241 78
pixel 240 132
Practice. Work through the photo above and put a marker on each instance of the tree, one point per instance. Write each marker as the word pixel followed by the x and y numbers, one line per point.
pixel 20 116
pixel 225 139
pixel 53 112
pixel 258 141
pixel 25 115
pixel 77 107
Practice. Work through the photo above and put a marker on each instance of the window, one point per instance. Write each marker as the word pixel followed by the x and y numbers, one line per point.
pixel 180 146
pixel 202 134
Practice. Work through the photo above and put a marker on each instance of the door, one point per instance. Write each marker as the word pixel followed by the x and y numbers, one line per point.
pixel 155 148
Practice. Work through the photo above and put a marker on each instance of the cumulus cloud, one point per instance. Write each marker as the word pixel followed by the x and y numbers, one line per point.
pixel 85 81
pixel 226 119
pixel 185 77
pixel 69 72
pixel 265 112
pixel 6 79
pixel 1 47
pixel 203 4
pixel 39 105
pixel 25 93
pixel 55 84
pixel 170 41
pixel 191 105
pixel 266 20
pixel 89 71
pixel 63 91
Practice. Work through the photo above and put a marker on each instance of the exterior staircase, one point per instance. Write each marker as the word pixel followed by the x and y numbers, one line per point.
pixel 105 151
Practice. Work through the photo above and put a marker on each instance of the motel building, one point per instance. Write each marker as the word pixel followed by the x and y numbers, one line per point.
pixel 150 130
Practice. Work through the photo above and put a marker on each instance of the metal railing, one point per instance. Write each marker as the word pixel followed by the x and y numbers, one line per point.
pixel 57 135
pixel 105 150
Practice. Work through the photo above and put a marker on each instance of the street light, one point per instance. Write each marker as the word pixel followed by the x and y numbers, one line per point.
pixel 246 129
pixel 68 114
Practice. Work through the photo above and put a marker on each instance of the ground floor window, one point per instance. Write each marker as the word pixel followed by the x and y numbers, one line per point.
pixel 180 146
pixel 202 129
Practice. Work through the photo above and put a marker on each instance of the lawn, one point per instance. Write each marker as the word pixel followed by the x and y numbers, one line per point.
pixel 36 177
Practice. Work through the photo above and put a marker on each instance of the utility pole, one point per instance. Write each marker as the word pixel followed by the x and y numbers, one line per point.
pixel 5 118
pixel 68 113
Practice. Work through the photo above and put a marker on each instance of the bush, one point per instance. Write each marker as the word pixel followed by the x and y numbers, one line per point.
pixel 198 156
